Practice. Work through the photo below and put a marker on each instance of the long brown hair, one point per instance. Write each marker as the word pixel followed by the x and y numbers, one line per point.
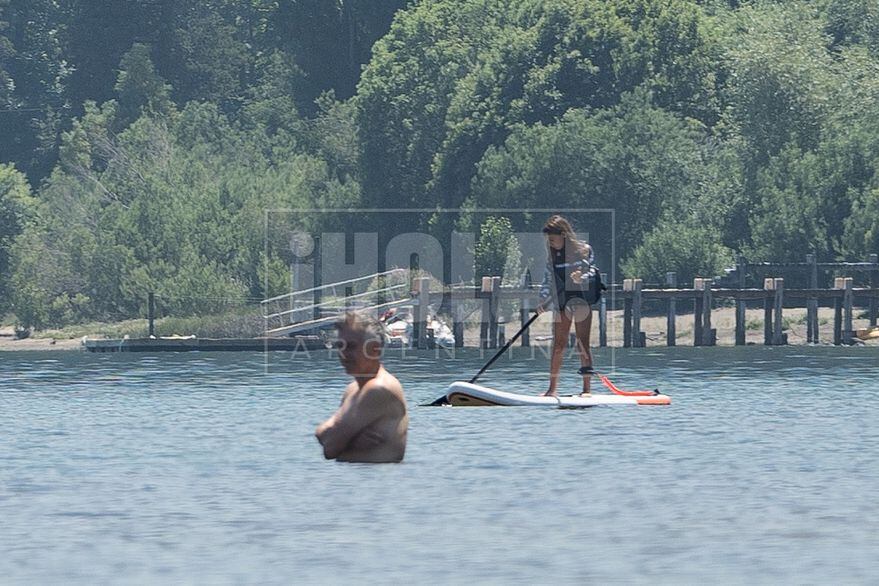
pixel 557 224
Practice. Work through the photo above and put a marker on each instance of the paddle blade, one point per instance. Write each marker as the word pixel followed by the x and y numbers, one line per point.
pixel 437 403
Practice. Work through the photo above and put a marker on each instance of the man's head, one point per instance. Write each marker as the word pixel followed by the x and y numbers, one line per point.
pixel 360 341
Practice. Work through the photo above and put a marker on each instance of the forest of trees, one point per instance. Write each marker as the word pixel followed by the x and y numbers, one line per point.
pixel 141 140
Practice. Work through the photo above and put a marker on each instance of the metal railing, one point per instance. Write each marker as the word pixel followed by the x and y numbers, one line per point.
pixel 307 309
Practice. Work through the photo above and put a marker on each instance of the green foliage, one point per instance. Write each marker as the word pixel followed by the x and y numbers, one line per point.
pixel 206 56
pixel 497 251
pixel 271 102
pixel 331 40
pixel 139 88
pixel 38 278
pixel 787 222
pixel 34 74
pixel 861 236
pixel 684 247
pixel 634 159
pixel 801 117
pixel 779 86
pixel 175 206
pixel 452 79
pixel 406 90
pixel 854 22
pixel 7 85
pixel 158 134
pixel 56 56
pixel 17 209
pixel 333 136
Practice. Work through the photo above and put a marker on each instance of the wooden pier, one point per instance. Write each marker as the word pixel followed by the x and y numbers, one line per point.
pixel 702 297
pixel 632 296
pixel 293 319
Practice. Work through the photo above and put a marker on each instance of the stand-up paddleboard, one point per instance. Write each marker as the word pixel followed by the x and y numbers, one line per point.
pixel 463 394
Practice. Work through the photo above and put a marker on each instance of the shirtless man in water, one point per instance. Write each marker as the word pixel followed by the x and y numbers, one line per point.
pixel 371 423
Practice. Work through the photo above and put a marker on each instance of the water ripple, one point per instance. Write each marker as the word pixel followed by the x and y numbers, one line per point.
pixel 203 468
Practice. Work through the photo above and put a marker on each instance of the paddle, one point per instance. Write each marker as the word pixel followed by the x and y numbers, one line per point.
pixel 443 401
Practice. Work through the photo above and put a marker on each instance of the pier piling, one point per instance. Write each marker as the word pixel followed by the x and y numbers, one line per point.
pixel 638 340
pixel 768 286
pixel 741 273
pixel 778 338
pixel 838 283
pixel 874 284
pixel 493 312
pixel 812 301
pixel 627 314
pixel 698 313
pixel 847 309
pixel 671 280
pixel 151 313
pixel 420 321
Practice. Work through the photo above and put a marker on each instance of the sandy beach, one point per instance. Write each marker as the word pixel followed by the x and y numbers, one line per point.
pixel 8 342
pixel 723 320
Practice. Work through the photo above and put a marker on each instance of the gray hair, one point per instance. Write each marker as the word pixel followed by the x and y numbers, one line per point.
pixel 365 325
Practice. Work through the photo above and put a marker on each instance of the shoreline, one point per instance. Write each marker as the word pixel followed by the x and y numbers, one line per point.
pixel 9 343
pixel 723 320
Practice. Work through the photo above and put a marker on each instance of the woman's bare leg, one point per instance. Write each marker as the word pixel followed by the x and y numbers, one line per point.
pixel 583 327
pixel 561 325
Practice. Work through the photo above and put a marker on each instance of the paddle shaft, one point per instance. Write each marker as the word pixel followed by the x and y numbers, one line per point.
pixel 505 347
pixel 442 400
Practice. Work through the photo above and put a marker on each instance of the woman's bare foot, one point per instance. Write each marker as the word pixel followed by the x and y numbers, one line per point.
pixel 550 394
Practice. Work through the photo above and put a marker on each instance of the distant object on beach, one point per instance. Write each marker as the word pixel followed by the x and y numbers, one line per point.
pixel 868 333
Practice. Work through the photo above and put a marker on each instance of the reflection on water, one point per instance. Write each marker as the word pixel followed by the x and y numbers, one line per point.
pixel 202 468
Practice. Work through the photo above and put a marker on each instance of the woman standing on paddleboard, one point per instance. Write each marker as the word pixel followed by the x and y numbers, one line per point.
pixel 571 284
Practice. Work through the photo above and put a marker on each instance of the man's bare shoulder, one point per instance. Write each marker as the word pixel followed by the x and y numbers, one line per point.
pixel 385 388
pixel 349 390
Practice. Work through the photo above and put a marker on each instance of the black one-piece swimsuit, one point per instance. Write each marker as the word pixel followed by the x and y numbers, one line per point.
pixel 562 274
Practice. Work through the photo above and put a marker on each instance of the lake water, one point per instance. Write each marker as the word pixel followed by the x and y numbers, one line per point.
pixel 202 468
